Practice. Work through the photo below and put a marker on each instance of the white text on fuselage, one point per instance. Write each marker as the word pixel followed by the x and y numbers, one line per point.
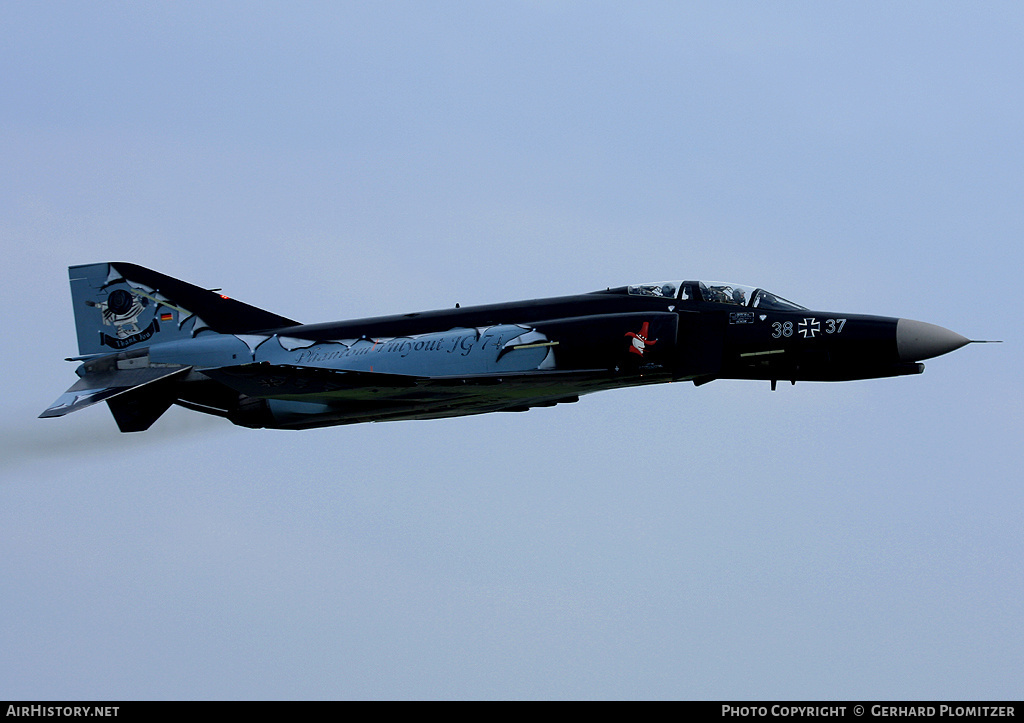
pixel 461 344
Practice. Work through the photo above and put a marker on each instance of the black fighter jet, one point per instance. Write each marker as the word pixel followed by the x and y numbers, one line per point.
pixel 147 341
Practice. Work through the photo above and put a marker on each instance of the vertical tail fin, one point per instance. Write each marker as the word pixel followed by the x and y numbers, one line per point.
pixel 120 306
pixel 120 310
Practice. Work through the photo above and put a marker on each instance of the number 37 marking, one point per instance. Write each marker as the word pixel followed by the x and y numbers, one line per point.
pixel 834 326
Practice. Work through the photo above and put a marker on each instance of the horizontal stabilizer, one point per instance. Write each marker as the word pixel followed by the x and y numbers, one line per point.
pixel 105 386
pixel 137 408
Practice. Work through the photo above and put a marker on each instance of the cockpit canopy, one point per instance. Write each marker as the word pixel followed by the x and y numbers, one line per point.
pixel 715 291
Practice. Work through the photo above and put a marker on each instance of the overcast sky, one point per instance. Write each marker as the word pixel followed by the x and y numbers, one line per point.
pixel 336 160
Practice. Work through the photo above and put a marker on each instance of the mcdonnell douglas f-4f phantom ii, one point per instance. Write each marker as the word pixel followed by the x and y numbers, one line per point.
pixel 147 341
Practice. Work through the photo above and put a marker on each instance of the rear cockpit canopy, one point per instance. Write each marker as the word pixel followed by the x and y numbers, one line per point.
pixel 715 291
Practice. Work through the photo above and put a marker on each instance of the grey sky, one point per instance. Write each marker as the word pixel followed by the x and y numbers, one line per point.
pixel 334 160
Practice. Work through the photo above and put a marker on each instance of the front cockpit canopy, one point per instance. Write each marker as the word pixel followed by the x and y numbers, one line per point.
pixel 715 291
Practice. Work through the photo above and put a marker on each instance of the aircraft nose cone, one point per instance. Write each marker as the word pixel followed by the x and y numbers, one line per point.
pixel 917 340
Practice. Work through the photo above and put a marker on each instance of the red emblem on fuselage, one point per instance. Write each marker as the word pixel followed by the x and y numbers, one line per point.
pixel 640 340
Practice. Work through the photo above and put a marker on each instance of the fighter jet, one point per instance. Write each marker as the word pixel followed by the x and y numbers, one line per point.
pixel 147 341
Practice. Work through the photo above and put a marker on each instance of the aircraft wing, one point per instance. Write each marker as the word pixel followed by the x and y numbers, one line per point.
pixel 360 396
pixel 284 381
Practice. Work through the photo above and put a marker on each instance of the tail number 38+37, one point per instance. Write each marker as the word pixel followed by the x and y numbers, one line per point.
pixel 808 328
